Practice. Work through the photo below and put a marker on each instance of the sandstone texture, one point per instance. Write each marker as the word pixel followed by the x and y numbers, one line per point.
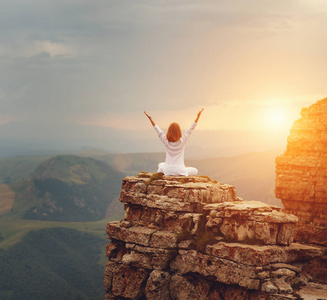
pixel 193 238
pixel 301 172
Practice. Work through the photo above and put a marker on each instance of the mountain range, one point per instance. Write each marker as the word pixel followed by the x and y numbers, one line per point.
pixel 54 210
pixel 252 173
pixel 44 138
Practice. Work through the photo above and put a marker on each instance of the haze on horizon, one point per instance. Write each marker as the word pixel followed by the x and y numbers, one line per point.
pixel 252 64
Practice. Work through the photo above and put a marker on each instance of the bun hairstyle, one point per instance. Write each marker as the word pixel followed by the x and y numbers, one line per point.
pixel 174 132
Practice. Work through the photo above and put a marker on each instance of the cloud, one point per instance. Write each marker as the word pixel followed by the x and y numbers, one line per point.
pixel 27 49
pixel 67 59
pixel 52 48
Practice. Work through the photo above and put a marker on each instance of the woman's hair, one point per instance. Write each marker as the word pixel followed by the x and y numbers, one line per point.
pixel 174 133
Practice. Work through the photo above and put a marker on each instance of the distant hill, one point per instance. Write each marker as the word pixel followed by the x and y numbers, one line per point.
pixel 38 192
pixel 253 173
pixel 132 163
pixel 61 263
pixel 67 188
pixel 47 138
pixel 13 169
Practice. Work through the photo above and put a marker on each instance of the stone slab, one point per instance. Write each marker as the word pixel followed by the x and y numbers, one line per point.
pixel 135 235
pixel 251 222
pixel 225 271
pixel 256 255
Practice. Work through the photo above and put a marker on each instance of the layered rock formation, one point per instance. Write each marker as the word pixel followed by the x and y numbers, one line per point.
pixel 193 238
pixel 301 173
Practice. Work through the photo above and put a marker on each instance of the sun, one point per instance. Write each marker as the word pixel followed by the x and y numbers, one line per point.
pixel 276 118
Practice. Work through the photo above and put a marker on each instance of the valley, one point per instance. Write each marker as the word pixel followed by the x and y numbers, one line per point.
pixel 45 202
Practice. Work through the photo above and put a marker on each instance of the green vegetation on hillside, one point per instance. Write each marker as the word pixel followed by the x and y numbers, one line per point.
pixel 53 263
pixel 13 169
pixel 67 188
pixel 7 197
pixel 12 230
pixel 52 259
pixel 38 260
pixel 72 169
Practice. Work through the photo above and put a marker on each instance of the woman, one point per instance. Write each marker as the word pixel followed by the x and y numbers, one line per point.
pixel 174 143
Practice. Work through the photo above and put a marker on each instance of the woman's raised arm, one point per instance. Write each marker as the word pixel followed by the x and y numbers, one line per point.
pixel 198 116
pixel 153 124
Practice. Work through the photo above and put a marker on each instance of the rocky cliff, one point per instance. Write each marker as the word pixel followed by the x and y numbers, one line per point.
pixel 193 238
pixel 301 173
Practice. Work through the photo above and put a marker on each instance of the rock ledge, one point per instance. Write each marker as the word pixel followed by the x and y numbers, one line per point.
pixel 193 238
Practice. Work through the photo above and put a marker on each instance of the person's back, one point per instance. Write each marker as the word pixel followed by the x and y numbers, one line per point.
pixel 174 143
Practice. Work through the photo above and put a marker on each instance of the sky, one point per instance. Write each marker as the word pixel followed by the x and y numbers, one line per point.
pixel 251 64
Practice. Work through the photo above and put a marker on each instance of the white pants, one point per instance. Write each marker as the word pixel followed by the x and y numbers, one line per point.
pixel 179 170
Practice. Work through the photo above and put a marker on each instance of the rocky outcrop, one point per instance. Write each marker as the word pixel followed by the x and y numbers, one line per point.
pixel 193 238
pixel 301 173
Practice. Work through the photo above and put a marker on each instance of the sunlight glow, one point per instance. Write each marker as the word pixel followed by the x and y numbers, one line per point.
pixel 277 118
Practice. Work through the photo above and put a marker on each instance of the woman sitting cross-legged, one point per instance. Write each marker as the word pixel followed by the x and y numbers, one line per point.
pixel 174 143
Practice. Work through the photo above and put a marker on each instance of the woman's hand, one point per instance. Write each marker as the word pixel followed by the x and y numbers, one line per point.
pixel 150 118
pixel 198 116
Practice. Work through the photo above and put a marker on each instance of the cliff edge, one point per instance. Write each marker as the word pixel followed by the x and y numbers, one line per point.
pixel 193 238
pixel 301 176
